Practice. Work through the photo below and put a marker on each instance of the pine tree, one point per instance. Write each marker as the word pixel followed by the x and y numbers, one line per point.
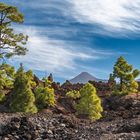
pixel 44 97
pixel 10 42
pixel 23 98
pixel 89 103
pixel 125 73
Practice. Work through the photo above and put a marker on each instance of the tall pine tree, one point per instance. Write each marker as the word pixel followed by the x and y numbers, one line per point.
pixel 23 98
pixel 127 75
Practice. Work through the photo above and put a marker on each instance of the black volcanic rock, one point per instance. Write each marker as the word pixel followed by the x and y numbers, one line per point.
pixel 60 127
pixel 84 77
pixel 51 126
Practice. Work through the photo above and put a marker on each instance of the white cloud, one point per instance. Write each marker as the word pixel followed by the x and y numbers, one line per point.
pixel 116 15
pixel 56 56
pixel 106 16
pixel 67 58
pixel 120 16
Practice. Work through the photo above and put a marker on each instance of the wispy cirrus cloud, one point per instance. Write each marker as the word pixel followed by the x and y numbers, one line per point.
pixel 119 15
pixel 63 33
pixel 57 56
pixel 98 16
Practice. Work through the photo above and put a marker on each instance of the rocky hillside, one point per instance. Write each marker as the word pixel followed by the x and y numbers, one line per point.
pixel 121 121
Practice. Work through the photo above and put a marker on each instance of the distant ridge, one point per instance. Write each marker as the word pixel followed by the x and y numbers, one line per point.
pixel 84 77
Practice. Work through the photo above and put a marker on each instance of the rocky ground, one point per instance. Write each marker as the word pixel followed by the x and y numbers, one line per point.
pixel 120 122
pixel 60 127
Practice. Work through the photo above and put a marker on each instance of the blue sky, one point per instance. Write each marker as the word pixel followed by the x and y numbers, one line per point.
pixel 71 36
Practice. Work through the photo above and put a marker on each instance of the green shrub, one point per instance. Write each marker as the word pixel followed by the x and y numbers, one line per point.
pixel 89 103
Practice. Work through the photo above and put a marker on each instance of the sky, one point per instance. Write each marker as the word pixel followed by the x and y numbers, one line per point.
pixel 73 36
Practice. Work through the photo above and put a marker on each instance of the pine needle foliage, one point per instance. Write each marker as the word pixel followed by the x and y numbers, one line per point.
pixel 11 43
pixel 73 94
pixel 23 99
pixel 89 103
pixel 2 96
pixel 127 75
pixel 44 97
pixel 7 74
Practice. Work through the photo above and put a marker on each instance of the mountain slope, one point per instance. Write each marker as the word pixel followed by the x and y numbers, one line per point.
pixel 84 77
